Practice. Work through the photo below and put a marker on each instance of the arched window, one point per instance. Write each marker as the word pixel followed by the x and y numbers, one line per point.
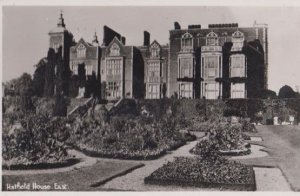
pixel 187 41
pixel 115 50
pixel 237 41
pixel 211 39
pixel 155 50
pixel 81 51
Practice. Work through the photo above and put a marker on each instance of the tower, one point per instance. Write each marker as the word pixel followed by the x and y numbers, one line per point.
pixel 61 37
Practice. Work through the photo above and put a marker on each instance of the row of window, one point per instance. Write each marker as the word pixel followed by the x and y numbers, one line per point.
pixel 212 40
pixel 210 90
pixel 211 67
pixel 186 44
pixel 89 69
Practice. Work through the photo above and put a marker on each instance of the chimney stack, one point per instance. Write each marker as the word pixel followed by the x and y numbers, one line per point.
pixel 177 26
pixel 108 35
pixel 123 40
pixel 146 38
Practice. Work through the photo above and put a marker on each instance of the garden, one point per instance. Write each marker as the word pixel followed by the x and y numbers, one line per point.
pixel 139 138
pixel 37 142
pixel 210 168
pixel 40 139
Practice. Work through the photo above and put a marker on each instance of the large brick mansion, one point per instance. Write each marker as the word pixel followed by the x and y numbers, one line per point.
pixel 221 61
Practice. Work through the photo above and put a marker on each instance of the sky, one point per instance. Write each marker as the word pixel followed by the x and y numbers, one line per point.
pixel 26 40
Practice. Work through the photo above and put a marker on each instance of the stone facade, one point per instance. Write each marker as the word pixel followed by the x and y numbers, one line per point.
pixel 221 61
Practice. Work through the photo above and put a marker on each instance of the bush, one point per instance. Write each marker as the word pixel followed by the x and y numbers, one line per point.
pixel 247 126
pixel 39 140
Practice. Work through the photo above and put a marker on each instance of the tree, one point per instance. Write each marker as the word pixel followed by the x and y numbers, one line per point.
pixel 23 85
pixel 18 86
pixel 92 86
pixel 266 93
pixel 39 77
pixel 60 106
pixel 286 92
pixel 49 74
pixel 81 75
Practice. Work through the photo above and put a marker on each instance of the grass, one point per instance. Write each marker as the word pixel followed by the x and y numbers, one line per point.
pixel 283 146
pixel 84 179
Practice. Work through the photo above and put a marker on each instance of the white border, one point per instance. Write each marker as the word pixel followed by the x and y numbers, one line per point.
pixel 231 3
pixel 261 3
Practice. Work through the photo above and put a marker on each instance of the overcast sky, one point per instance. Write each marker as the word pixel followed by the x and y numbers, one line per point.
pixel 26 40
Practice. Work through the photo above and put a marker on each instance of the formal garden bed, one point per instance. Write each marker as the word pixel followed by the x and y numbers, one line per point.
pixel 227 138
pixel 203 173
pixel 209 169
pixel 138 139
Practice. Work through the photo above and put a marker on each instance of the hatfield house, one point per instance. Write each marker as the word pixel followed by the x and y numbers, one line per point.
pixel 198 108
pixel 223 61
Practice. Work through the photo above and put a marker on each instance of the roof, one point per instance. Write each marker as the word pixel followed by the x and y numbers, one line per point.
pixel 58 29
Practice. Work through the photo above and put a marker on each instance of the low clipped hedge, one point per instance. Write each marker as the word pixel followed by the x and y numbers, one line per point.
pixel 242 152
pixel 41 165
pixel 204 173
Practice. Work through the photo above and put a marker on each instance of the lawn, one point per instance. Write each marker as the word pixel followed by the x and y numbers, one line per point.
pixel 84 179
pixel 282 144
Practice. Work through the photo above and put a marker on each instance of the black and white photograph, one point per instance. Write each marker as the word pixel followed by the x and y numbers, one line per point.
pixel 145 98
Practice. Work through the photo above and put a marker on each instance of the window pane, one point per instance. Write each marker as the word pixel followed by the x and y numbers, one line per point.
pixel 237 66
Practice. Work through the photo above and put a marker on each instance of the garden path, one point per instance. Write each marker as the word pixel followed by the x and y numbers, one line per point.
pixel 267 179
pixel 135 179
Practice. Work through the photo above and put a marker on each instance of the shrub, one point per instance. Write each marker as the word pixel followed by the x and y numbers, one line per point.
pixel 247 126
pixel 39 140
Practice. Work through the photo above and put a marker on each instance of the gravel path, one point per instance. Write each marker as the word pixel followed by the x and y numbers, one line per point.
pixel 267 179
pixel 135 180
pixel 270 179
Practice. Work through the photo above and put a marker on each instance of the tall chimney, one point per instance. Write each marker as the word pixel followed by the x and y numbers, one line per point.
pixel 108 35
pixel 177 26
pixel 123 40
pixel 146 38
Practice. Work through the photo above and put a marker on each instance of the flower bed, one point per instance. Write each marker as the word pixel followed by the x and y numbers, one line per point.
pixel 138 139
pixel 223 139
pixel 219 173
pixel 47 164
